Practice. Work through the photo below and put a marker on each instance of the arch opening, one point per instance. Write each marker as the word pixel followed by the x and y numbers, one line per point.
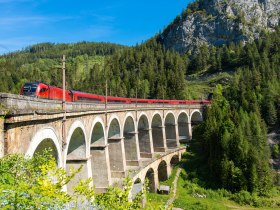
pixel 174 161
pixel 144 137
pixel 136 188
pixel 76 156
pixel 183 128
pixel 170 131
pixel 114 129
pixel 130 143
pixel 77 145
pixel 150 176
pixel 116 150
pixel 157 133
pixel 97 136
pixel 162 171
pixel 47 144
pixel 196 118
pixel 98 151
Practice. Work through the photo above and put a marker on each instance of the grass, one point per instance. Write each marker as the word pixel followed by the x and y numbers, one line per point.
pixel 157 201
pixel 199 86
pixel 187 200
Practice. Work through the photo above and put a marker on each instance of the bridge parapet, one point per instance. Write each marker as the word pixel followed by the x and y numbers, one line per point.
pixel 24 104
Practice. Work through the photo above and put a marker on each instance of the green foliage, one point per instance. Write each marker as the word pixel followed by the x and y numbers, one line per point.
pixel 245 198
pixel 275 151
pixel 32 183
pixel 236 147
pixel 149 68
pixel 234 133
pixel 37 183
pixel 117 198
pixel 196 189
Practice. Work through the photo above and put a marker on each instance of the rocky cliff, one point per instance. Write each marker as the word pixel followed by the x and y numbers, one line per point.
pixel 220 22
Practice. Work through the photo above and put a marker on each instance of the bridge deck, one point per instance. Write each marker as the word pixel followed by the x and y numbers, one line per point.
pixel 19 104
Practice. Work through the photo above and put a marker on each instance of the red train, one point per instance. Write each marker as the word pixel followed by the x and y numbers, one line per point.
pixel 42 90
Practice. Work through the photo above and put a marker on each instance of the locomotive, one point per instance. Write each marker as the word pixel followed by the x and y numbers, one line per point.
pixel 43 90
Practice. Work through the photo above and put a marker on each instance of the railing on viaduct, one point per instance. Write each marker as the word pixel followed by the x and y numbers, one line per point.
pixel 142 141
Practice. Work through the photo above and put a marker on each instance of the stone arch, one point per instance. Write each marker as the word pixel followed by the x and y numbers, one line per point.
pixel 99 155
pixel 132 125
pixel 144 138
pixel 157 133
pixel 174 161
pixel 183 127
pixel 97 133
pixel 170 130
pixel 130 141
pixel 136 188
pixel 116 148
pixel 162 171
pixel 150 176
pixel 114 127
pixel 45 138
pixel 76 153
pixel 196 116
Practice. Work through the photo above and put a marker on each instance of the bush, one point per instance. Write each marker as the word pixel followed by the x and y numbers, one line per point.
pixel 37 183
pixel 245 198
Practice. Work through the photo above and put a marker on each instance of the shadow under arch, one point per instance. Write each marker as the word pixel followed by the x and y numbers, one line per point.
pixel 183 127
pixel 136 188
pixel 116 149
pixel 174 161
pixel 195 119
pixel 144 137
pixel 150 176
pixel 157 133
pixel 76 155
pixel 130 142
pixel 99 158
pixel 47 144
pixel 170 130
pixel 162 171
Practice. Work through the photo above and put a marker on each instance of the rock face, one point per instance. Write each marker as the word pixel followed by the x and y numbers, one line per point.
pixel 220 22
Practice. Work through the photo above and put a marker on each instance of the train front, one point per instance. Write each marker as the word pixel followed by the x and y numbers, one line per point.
pixel 30 89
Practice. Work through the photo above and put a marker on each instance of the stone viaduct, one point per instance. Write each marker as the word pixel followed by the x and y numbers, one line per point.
pixel 140 140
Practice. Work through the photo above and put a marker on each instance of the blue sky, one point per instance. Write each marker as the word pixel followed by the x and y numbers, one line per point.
pixel 27 22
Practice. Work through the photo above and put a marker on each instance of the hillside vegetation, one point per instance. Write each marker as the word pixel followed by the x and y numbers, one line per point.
pixel 228 161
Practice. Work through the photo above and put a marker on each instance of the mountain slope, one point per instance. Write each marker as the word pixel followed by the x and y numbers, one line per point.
pixel 219 22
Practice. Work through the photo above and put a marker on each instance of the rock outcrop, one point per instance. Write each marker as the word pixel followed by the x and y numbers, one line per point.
pixel 219 22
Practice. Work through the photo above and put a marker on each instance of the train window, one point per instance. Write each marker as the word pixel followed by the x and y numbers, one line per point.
pixel 80 98
pixel 114 101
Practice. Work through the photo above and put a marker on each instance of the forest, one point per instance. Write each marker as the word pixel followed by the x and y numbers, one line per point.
pixel 234 133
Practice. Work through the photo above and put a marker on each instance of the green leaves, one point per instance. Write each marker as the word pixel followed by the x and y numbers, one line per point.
pixel 37 183
pixel 236 147
pixel 118 199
